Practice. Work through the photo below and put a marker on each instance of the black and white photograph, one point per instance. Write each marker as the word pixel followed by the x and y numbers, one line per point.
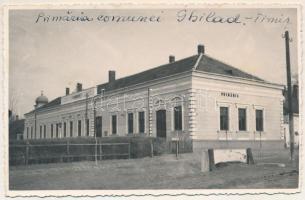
pixel 131 98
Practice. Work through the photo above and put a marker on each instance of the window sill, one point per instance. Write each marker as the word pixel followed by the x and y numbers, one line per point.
pixel 243 132
pixel 224 132
pixel 259 132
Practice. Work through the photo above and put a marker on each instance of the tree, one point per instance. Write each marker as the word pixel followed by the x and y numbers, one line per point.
pixel 13 103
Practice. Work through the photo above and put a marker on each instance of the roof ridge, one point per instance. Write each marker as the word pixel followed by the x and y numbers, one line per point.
pixel 150 69
pixel 198 60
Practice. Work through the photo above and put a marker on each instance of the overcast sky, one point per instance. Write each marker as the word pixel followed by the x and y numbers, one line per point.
pixel 54 55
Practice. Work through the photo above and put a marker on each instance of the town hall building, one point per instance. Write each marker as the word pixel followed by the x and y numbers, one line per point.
pixel 197 97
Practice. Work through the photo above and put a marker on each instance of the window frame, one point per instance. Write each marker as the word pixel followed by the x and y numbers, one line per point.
pixel 263 119
pixel 139 122
pixel 114 116
pixel 57 130
pixel 128 123
pixel 71 129
pixel 65 130
pixel 87 127
pixel 44 131
pixel 245 119
pixel 40 131
pixel 52 131
pixel 228 118
pixel 79 128
pixel 180 128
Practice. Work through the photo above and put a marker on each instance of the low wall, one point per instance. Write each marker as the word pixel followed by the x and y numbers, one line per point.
pixel 237 144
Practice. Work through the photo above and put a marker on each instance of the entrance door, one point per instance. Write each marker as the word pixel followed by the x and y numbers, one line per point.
pixel 161 123
pixel 98 121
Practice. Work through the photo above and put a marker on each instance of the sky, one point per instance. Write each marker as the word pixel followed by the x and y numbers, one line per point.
pixel 51 56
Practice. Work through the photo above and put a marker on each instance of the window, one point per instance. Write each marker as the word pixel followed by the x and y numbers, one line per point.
pixel 178 118
pixel 40 131
pixel 141 122
pixel 52 131
pixel 87 127
pixel 57 127
pixel 224 118
pixel 31 132
pixel 113 123
pixel 259 120
pixel 130 123
pixel 71 128
pixel 27 132
pixel 242 119
pixel 79 129
pixel 44 131
pixel 65 129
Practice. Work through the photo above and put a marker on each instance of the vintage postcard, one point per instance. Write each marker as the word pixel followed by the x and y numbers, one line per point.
pixel 152 99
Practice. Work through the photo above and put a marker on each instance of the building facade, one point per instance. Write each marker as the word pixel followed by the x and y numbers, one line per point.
pixel 197 97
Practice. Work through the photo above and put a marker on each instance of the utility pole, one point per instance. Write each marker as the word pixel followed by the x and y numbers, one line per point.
pixel 148 111
pixel 289 95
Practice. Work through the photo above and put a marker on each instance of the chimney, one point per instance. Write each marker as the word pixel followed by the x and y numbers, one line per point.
pixel 67 91
pixel 79 87
pixel 200 49
pixel 111 76
pixel 171 59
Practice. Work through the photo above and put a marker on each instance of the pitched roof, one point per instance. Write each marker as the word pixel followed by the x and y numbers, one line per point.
pixel 211 65
pixel 51 104
pixel 203 63
pixel 180 66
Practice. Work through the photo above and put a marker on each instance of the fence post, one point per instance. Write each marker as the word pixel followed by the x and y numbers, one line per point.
pixel 205 166
pixel 27 151
pixel 128 150
pixel 211 159
pixel 68 151
pixel 95 151
pixel 101 156
pixel 250 160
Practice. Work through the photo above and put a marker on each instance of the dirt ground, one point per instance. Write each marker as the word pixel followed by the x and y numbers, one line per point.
pixel 162 172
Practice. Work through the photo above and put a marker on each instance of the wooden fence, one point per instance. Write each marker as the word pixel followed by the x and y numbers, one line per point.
pixel 66 152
